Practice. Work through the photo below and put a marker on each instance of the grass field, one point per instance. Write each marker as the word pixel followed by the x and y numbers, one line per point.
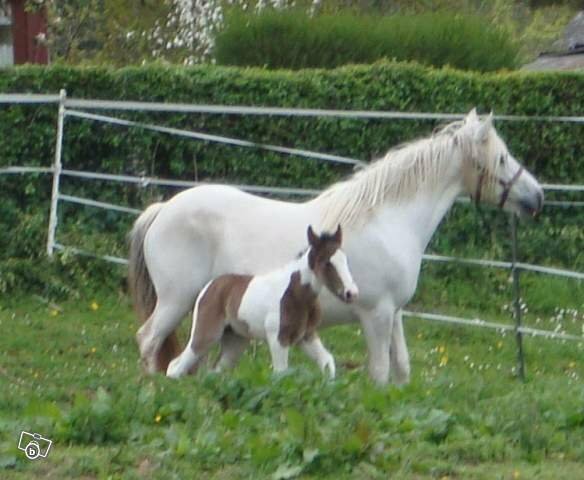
pixel 70 372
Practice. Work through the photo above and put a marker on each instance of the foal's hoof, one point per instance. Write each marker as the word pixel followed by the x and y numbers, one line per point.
pixel 174 370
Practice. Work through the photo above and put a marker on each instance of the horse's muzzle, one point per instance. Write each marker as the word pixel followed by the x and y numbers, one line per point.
pixel 532 205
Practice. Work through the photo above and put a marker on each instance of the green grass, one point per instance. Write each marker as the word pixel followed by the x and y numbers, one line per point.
pixel 70 372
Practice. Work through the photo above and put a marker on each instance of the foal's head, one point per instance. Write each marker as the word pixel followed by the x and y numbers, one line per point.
pixel 329 263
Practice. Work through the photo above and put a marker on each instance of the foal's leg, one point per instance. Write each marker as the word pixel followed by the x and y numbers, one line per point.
pixel 377 328
pixel 206 331
pixel 398 352
pixel 278 352
pixel 184 363
pixel 232 346
pixel 190 359
pixel 313 347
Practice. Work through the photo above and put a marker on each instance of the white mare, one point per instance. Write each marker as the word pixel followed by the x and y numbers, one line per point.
pixel 388 211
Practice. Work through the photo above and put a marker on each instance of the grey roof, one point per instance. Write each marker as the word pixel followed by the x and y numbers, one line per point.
pixel 558 61
pixel 569 50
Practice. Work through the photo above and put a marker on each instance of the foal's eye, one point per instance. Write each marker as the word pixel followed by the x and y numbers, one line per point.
pixel 502 159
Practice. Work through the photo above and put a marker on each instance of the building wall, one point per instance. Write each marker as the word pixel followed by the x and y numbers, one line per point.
pixel 22 34
pixel 6 50
pixel 27 28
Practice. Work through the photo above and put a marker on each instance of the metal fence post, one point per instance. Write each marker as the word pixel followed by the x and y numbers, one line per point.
pixel 517 300
pixel 53 218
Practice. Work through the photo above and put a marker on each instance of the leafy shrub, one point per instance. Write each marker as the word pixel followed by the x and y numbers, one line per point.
pixel 293 39
pixel 93 421
pixel 551 151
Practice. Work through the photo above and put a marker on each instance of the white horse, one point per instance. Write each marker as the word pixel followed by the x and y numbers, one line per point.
pixel 388 210
pixel 280 307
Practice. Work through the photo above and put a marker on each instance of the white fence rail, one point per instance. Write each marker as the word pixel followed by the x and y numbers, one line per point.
pixel 121 105
pixel 70 107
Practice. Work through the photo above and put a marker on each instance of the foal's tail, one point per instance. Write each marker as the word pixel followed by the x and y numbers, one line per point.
pixel 139 280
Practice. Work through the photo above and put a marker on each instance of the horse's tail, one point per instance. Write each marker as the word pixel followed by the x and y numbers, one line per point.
pixel 139 280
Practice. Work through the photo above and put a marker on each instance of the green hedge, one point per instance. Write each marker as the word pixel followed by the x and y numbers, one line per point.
pixel 294 39
pixel 27 137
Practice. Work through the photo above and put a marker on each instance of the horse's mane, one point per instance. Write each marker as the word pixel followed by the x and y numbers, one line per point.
pixel 396 176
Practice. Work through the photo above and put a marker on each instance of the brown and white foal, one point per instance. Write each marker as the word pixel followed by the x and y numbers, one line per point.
pixel 281 307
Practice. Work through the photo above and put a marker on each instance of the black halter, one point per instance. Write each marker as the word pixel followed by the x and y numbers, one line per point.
pixel 507 186
pixel 480 181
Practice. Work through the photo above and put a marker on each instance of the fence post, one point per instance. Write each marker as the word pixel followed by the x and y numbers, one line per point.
pixel 53 219
pixel 517 301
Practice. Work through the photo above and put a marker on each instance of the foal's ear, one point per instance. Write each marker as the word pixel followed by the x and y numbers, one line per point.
pixel 313 238
pixel 338 236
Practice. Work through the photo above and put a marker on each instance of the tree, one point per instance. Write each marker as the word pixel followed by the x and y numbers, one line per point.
pixel 102 31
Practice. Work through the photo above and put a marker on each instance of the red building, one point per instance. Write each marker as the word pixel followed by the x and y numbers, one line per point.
pixel 22 34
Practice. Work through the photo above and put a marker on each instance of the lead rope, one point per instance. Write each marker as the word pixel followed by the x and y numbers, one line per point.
pixel 482 220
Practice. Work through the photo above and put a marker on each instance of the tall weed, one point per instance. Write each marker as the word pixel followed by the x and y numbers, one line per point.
pixel 292 39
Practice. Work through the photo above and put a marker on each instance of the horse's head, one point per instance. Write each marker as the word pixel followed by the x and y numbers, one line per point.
pixel 493 175
pixel 329 263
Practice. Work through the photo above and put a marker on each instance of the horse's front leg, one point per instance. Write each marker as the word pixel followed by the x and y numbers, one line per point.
pixel 377 327
pixel 398 352
pixel 314 348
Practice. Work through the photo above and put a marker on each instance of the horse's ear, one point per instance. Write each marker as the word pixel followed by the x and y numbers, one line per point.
pixel 312 237
pixel 472 116
pixel 482 133
pixel 338 236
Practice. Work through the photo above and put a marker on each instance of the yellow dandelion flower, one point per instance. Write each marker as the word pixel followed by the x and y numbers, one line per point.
pixel 443 360
pixel 441 349
pixel 94 306
pixel 572 364
pixel 500 344
pixel 157 418
pixel 53 312
pixel 516 474
pixel 93 349
pixel 36 375
pixel 419 336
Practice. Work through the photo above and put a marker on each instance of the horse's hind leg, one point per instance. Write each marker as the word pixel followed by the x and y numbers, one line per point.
pixel 232 347
pixel 156 339
pixel 179 267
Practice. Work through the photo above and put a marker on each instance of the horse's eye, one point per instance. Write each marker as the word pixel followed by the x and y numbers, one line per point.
pixel 502 160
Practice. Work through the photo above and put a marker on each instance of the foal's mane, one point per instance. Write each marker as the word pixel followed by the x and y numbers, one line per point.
pixel 397 176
